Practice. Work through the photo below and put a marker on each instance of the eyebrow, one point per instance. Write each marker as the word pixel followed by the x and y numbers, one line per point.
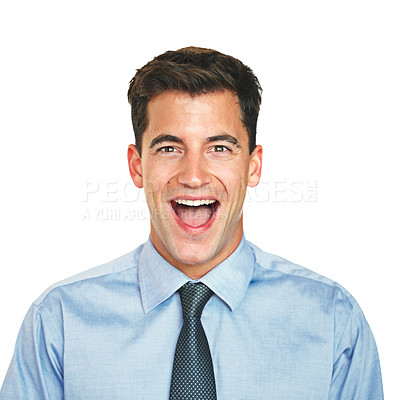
pixel 224 138
pixel 165 138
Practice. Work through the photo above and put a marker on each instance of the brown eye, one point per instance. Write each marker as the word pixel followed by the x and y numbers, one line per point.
pixel 166 149
pixel 220 148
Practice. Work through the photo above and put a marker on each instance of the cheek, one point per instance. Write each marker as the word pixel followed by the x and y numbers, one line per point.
pixel 157 180
pixel 233 178
pixel 162 170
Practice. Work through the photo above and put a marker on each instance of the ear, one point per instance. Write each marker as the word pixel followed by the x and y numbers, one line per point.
pixel 135 166
pixel 255 167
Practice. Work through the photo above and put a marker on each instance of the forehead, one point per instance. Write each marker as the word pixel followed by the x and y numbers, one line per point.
pixel 177 110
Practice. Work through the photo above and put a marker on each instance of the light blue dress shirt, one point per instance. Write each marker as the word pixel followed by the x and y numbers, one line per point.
pixel 276 331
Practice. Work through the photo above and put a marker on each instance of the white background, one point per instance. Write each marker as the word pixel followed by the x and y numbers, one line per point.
pixel 329 126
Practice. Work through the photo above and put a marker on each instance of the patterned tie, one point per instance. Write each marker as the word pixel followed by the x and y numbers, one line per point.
pixel 193 374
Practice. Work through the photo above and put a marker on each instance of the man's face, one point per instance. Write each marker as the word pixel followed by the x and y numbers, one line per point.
pixel 195 168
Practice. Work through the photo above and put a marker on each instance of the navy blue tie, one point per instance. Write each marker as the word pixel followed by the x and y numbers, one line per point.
pixel 193 374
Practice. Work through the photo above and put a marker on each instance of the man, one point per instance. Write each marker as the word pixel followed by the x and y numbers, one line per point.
pixel 197 312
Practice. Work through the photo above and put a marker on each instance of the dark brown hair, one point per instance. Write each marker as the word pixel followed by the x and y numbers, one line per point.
pixel 195 71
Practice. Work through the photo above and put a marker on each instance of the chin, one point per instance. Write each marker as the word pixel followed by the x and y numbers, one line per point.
pixel 193 255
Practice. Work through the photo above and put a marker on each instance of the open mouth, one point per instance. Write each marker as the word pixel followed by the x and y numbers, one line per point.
pixel 195 213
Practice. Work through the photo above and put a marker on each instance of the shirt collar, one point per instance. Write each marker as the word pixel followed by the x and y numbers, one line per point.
pixel 229 280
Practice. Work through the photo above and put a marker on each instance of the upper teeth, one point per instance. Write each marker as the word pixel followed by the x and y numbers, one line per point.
pixel 194 203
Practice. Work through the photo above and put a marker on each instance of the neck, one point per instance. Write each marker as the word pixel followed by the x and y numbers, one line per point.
pixel 196 271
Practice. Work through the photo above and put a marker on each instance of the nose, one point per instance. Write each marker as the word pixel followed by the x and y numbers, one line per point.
pixel 194 171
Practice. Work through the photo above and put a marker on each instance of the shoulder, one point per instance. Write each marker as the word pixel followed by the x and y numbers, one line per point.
pixel 298 279
pixel 309 293
pixel 89 279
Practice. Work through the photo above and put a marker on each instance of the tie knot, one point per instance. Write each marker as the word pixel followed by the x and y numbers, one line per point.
pixel 194 297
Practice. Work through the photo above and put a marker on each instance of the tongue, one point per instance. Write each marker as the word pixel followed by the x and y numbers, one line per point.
pixel 193 216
